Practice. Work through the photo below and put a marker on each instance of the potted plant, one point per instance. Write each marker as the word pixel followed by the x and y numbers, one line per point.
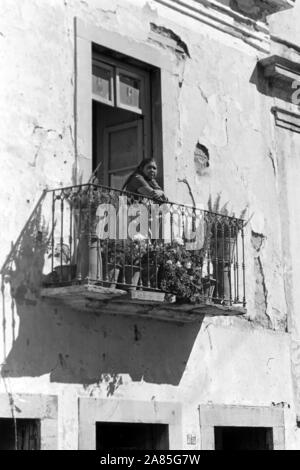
pixel 113 258
pixel 134 252
pixel 223 232
pixel 64 271
pixel 181 273
pixel 223 242
pixel 208 287
pixel 151 262
pixel 85 201
pixel 224 228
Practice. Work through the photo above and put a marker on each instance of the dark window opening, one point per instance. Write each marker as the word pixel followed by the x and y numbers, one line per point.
pixel 131 436
pixel 242 438
pixel 19 434
pixel 126 116
pixel 201 158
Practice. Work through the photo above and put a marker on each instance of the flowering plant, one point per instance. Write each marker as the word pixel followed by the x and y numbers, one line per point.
pixel 125 252
pixel 180 272
pixel 135 250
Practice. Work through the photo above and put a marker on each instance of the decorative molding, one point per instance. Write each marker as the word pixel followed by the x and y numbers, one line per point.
pixel 280 70
pixel 285 45
pixel 283 75
pixel 279 5
pixel 219 16
pixel 286 119
pixel 258 8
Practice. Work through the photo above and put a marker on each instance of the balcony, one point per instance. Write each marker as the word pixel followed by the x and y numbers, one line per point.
pixel 116 252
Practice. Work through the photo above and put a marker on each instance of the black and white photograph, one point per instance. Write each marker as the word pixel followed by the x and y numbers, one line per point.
pixel 150 228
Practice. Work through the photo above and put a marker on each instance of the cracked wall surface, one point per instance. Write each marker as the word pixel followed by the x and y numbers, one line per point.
pixel 211 96
pixel 261 292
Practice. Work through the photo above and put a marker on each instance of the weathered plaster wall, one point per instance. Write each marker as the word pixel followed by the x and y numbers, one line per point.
pixel 219 361
pixel 212 96
pixel 288 189
pixel 285 24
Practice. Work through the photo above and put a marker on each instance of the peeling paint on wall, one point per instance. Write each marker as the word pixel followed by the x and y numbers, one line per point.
pixel 261 291
pixel 181 47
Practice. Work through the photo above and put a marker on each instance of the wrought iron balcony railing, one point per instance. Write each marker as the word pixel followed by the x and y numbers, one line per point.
pixel 98 235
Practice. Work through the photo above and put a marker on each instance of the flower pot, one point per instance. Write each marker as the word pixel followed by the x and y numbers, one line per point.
pixel 223 275
pixel 132 276
pixel 222 248
pixel 209 292
pixel 147 296
pixel 112 275
pixel 170 298
pixel 208 287
pixel 149 275
pixel 89 260
pixel 65 273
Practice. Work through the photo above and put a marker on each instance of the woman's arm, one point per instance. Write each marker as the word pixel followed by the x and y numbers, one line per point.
pixel 147 190
pixel 139 185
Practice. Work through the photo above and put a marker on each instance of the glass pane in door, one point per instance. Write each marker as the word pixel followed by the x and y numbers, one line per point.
pixel 130 91
pixel 124 147
pixel 102 83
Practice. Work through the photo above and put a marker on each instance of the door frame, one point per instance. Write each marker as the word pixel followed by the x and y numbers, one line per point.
pixel 35 406
pixel 85 36
pixel 211 416
pixel 92 410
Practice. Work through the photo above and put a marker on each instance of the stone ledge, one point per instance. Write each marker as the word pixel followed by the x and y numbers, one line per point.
pixel 286 119
pixel 281 4
pixel 144 304
pixel 280 70
pixel 236 23
pixel 258 8
pixel 88 291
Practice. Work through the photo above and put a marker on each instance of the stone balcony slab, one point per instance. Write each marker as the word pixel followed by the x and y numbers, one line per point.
pixel 140 303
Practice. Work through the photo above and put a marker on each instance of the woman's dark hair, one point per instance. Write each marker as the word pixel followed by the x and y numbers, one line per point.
pixel 138 170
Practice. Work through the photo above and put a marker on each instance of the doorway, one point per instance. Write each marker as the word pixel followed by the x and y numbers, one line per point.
pixel 243 438
pixel 126 116
pixel 118 144
pixel 131 436
pixel 19 434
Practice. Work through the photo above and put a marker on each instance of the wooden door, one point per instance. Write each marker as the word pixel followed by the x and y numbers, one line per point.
pixel 123 151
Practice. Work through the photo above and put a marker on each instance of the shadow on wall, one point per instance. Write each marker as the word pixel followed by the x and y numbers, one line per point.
pixel 21 274
pixel 77 347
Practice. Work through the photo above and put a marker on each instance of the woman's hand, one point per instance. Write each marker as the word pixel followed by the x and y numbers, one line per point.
pixel 159 194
